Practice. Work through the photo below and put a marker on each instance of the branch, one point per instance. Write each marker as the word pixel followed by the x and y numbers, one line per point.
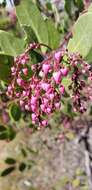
pixel 66 39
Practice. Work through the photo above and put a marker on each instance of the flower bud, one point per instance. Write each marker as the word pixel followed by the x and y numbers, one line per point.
pixel 64 71
pixel 44 123
pixel 57 56
pixel 57 77
pixel 62 89
pixel 46 68
pixel 25 71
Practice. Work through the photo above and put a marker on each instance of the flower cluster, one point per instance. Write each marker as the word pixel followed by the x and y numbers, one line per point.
pixel 81 72
pixel 39 87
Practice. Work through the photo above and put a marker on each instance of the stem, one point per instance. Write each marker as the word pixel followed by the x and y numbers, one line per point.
pixel 66 39
pixel 45 46
pixel 36 46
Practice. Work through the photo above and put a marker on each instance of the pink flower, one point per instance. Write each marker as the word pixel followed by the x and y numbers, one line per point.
pixel 21 102
pixel 34 117
pixel 24 58
pixel 57 105
pixel 34 108
pixel 57 77
pixel 44 123
pixel 48 110
pixel 46 68
pixel 51 96
pixel 45 100
pixel 45 86
pixel 64 71
pixel 24 93
pixel 27 107
pixel 57 56
pixel 42 107
pixel 13 69
pixel 17 94
pixel 19 81
pixel 9 88
pixel 33 100
pixel 25 71
pixel 62 89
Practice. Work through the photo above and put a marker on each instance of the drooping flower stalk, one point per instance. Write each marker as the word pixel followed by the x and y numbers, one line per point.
pixel 41 91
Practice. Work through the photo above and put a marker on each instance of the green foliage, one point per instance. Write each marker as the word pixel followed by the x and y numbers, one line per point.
pixel 22 167
pixel 73 7
pixel 10 45
pixel 4 23
pixel 35 57
pixel 34 24
pixel 15 112
pixel 7 133
pixel 6 62
pixel 29 15
pixel 29 35
pixel 82 36
pixel 36 29
pixel 10 161
pixel 7 171
pixel 53 35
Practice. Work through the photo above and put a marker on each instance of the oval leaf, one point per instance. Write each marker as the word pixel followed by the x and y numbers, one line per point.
pixel 7 171
pixel 2 128
pixel 82 36
pixel 15 112
pixel 22 166
pixel 10 45
pixel 10 161
pixel 29 15
pixel 53 34
pixel 6 62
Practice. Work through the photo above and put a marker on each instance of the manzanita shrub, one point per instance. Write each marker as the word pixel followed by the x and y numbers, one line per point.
pixel 39 87
pixel 39 71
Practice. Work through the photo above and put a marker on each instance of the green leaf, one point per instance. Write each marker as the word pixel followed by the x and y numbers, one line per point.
pixel 53 34
pixel 6 62
pixel 3 136
pixel 49 6
pixel 36 57
pixel 11 134
pixel 34 152
pixel 79 4
pixel 82 36
pixel 10 161
pixel 30 35
pixel 3 132
pixel 15 112
pixel 29 15
pixel 7 171
pixel 24 153
pixel 73 6
pixel 7 133
pixel 22 166
pixel 10 45
pixel 2 128
pixel 5 23
pixel 69 7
